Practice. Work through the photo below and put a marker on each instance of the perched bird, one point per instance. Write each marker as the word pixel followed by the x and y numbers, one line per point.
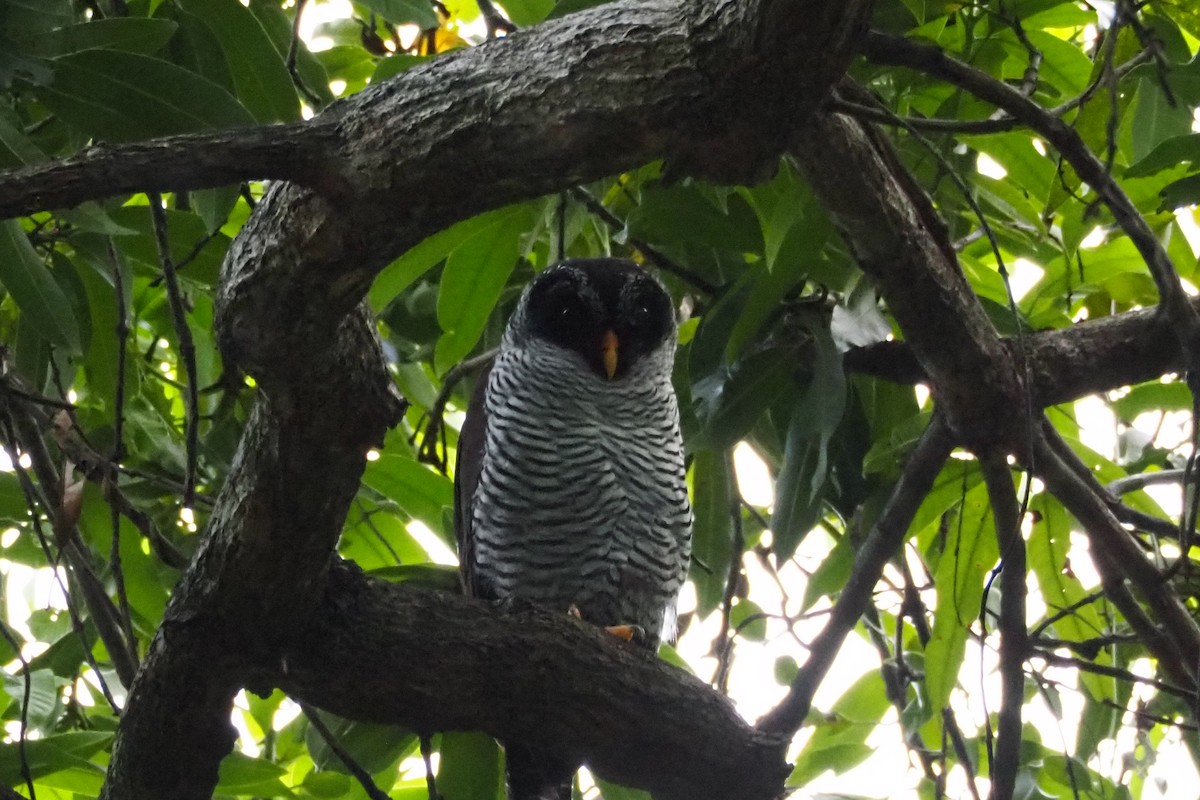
pixel 569 487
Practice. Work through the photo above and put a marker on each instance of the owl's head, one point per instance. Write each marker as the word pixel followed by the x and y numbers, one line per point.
pixel 609 311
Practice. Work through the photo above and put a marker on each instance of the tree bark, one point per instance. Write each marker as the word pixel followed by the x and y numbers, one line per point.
pixel 713 88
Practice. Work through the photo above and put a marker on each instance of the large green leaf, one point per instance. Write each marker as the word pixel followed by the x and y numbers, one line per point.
pixel 712 531
pixel 475 274
pixel 815 417
pixel 970 551
pixel 131 34
pixel 420 491
pixel 34 289
pixel 470 767
pixel 259 75
pixel 242 775
pixel 528 12
pixel 374 747
pixel 1048 556
pixel 839 741
pixel 118 96
pixel 64 751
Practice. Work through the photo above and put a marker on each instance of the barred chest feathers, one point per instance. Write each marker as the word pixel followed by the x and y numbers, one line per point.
pixel 581 497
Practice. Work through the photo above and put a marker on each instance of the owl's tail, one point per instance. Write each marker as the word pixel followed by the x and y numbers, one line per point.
pixel 535 776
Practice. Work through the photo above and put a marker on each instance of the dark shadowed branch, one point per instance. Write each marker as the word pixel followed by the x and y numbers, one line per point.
pixel 1006 761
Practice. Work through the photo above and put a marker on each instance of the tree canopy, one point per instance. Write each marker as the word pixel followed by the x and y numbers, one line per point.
pixel 935 276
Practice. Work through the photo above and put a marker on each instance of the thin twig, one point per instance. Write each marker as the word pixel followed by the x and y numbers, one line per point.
pixel 122 333
pixel 427 756
pixel 22 736
pixel 650 251
pixel 356 770
pixel 432 450
pixel 292 53
pixel 187 350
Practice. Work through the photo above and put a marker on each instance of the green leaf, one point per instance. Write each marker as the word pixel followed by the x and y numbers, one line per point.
pixel 56 754
pixel 34 289
pixel 969 553
pixel 418 12
pixel 185 231
pixel 277 25
pixel 838 743
pixel 815 417
pixel 728 404
pixel 712 529
pixel 1048 556
pixel 1156 119
pixel 611 791
pixel 242 775
pixel 44 706
pixel 404 271
pixel 528 12
pixel 259 75
pixel 470 767
pixel 394 65
pixel 373 747
pixel 1180 193
pixel 108 94
pixel 131 34
pixel 475 274
pixel 417 489
pixel 1167 154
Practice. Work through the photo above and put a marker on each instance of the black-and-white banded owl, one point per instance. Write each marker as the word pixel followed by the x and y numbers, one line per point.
pixel 570 487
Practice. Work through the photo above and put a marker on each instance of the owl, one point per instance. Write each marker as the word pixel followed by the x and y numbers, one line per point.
pixel 570 482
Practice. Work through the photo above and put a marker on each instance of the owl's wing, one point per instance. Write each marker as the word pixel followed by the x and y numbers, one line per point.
pixel 467 468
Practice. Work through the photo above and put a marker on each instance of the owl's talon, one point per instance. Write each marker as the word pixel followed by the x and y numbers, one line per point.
pixel 627 633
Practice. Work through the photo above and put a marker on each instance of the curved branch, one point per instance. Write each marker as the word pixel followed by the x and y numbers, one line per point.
pixel 435 662
pixel 544 109
pixel 298 152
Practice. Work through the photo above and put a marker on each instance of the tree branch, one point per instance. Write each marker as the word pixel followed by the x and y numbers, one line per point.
pixel 895 51
pixel 581 97
pixel 301 151
pixel 1064 365
pixel 433 662
pixel 1013 634
pixel 887 535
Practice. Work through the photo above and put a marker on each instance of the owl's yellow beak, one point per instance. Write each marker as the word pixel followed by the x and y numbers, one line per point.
pixel 609 347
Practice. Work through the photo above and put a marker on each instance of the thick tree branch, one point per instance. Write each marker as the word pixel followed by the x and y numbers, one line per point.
pixel 588 95
pixel 713 88
pixel 896 236
pixel 433 662
pixel 1064 365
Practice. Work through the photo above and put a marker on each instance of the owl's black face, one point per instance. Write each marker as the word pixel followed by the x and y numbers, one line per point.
pixel 608 310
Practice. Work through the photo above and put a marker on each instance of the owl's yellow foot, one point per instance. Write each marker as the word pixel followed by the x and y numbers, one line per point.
pixel 627 633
